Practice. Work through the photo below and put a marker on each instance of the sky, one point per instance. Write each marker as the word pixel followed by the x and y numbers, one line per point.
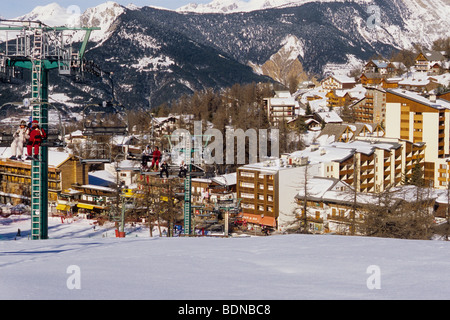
pixel 11 9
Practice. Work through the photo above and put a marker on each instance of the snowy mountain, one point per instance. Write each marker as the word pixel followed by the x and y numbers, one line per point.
pixel 159 54
pixel 52 14
pixel 102 16
pixel 424 21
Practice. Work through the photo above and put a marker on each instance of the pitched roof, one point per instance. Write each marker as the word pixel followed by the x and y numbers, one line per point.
pixel 431 55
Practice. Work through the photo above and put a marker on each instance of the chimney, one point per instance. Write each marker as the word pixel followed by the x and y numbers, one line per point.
pixel 432 97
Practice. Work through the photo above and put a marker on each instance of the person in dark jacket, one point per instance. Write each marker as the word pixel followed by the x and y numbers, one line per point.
pixel 183 170
pixel 164 168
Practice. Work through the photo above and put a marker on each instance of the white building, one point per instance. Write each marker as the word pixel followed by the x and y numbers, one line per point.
pixel 282 107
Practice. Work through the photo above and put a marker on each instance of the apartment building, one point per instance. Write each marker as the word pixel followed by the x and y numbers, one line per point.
pixel 268 188
pixel 282 107
pixel 64 170
pixel 414 117
pixel 372 108
pixel 368 164
pixel 333 205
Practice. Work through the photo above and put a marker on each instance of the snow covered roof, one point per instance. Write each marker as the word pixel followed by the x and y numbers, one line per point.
pixel 337 191
pixel 343 79
pixel 380 63
pixel 329 117
pixel 55 158
pixel 438 104
pixel 226 179
pixel 333 190
pixel 433 55
pixel 100 188
pixel 102 178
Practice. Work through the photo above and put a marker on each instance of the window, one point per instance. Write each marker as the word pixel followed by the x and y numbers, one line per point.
pixel 248 206
pixel 247 184
pixel 247 174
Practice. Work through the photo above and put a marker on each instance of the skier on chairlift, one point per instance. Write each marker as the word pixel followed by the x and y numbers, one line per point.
pixel 20 135
pixel 37 135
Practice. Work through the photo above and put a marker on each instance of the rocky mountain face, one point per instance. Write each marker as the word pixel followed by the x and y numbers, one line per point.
pixel 158 55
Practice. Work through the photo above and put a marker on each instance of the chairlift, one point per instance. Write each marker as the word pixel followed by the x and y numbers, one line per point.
pixel 97 152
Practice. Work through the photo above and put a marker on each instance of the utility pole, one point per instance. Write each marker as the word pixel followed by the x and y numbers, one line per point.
pixel 41 48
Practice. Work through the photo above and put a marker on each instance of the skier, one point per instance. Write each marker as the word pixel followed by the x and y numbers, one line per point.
pixel 146 157
pixel 164 168
pixel 36 136
pixel 20 136
pixel 156 156
pixel 183 170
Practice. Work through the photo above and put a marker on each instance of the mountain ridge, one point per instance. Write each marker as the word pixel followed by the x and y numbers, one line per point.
pixel 158 55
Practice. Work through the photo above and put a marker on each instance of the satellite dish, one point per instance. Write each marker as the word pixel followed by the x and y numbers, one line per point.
pixel 26 102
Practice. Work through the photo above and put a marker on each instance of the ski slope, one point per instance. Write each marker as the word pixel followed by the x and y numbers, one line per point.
pixel 282 267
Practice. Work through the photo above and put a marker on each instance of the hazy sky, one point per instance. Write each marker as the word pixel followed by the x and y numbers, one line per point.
pixel 12 9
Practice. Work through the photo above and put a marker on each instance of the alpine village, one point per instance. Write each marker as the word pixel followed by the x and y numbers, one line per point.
pixel 355 150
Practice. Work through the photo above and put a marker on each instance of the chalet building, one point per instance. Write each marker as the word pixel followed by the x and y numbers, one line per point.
pixel 381 67
pixel 427 60
pixel 282 107
pixel 64 171
pixel 214 189
pixel 421 119
pixel 338 98
pixel 370 79
pixel 161 126
pixel 337 82
pixel 390 83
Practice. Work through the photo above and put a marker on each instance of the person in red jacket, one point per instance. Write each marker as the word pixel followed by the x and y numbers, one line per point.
pixel 34 142
pixel 156 156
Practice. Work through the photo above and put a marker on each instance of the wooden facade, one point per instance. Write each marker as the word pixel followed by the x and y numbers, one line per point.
pixel 258 192
pixel 16 179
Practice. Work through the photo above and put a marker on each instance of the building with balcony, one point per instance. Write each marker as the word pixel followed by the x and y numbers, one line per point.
pixel 282 107
pixel 371 108
pixel 414 117
pixel 64 171
pixel 368 164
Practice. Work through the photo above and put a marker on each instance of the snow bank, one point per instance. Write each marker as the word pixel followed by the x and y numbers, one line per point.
pixel 281 267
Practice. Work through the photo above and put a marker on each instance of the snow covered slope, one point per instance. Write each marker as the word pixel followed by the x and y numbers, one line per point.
pixel 281 267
